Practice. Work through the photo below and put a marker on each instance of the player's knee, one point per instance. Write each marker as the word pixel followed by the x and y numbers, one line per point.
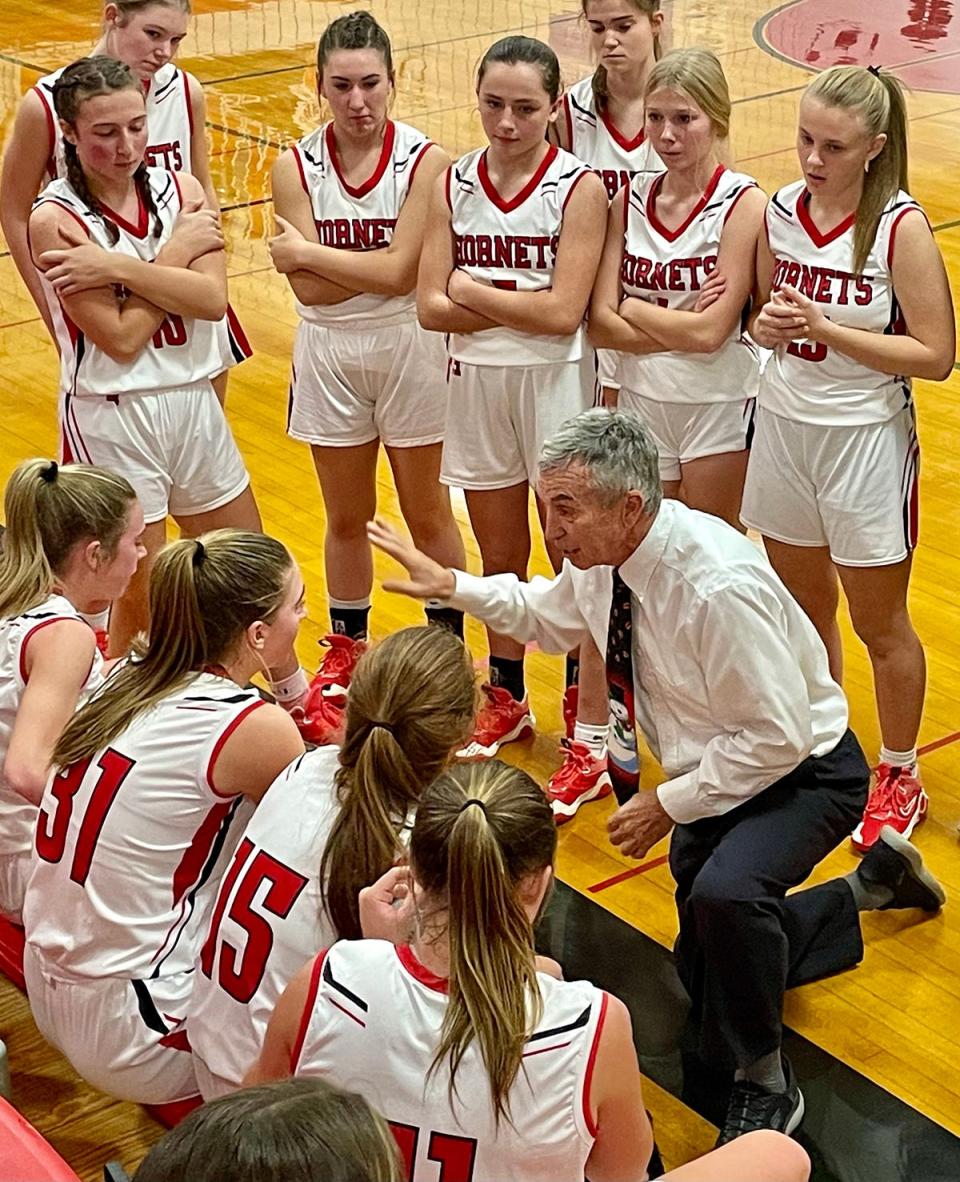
pixel 785 1160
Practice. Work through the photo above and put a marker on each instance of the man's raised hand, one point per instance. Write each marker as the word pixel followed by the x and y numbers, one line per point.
pixel 428 579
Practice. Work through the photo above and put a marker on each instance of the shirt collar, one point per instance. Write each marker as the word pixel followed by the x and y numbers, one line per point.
pixel 637 570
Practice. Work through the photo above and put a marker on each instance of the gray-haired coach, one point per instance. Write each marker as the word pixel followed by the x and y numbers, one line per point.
pixel 728 681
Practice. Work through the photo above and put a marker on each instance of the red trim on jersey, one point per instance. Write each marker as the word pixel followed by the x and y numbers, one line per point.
pixel 420 972
pixel 51 130
pixel 30 635
pixel 591 1063
pixel 218 746
pixel 72 212
pixel 568 116
pixel 515 202
pixel 447 181
pixel 893 229
pixel 557 1046
pixel 235 327
pixel 197 852
pixel 673 235
pixel 308 1007
pixel 176 185
pixel 586 172
pixel 389 135
pixel 344 1010
pixel 416 164
pixel 143 220
pixel 186 94
pixel 177 1040
pixel 618 137
pixel 813 233
pixel 303 175
pixel 736 201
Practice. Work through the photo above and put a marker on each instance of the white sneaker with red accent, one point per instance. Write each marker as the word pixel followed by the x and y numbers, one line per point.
pixel 580 778
pixel 332 679
pixel 501 720
pixel 897 800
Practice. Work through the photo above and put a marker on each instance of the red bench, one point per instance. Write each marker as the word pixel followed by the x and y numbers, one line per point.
pixel 26 1156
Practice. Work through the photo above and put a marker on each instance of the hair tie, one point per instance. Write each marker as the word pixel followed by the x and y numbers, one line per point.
pixel 473 800
pixel 874 70
pixel 384 726
pixel 199 555
pixel 49 474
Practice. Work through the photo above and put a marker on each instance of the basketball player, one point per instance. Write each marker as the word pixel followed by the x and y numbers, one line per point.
pixel 513 241
pixel 470 1052
pixel 145 35
pixel 132 828
pixel 601 121
pixel 137 331
pixel 351 199
pixel 332 824
pixel 860 304
pixel 71 544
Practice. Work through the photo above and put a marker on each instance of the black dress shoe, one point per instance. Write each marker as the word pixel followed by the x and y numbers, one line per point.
pixel 752 1108
pixel 894 863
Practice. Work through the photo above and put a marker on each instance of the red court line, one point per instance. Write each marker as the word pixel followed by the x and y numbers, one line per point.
pixel 937 743
pixel 625 874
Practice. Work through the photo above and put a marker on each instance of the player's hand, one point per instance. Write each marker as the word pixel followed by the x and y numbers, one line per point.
pixel 428 579
pixel 286 246
pixel 778 323
pixel 80 268
pixel 196 232
pixel 710 292
pixel 386 908
pixel 639 824
pixel 815 323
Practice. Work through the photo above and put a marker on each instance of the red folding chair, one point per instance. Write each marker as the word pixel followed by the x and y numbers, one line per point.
pixel 25 1155
pixel 11 953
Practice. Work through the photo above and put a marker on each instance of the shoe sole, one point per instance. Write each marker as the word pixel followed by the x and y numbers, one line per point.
pixel 796 1119
pixel 856 837
pixel 900 845
pixel 566 812
pixel 477 751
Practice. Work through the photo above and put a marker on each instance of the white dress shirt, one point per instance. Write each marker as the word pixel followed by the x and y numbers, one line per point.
pixel 731 683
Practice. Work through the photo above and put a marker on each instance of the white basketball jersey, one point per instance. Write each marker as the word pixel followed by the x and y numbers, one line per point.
pixel 169 121
pixel 372 1024
pixel 18 817
pixel 182 351
pixel 668 267
pixel 269 918
pixel 361 218
pixel 511 244
pixel 596 140
pixel 132 842
pixel 805 380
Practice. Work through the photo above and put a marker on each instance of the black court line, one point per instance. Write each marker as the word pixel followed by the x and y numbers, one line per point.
pixel 246 204
pixel 246 135
pixel 947 225
pixel 854 1129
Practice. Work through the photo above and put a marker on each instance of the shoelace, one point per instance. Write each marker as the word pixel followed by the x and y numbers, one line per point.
pixel 748 1109
pixel 881 798
pixel 336 660
pixel 580 759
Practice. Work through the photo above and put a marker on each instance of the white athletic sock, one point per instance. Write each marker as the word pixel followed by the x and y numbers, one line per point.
pixel 290 691
pixel 904 759
pixel 98 621
pixel 595 737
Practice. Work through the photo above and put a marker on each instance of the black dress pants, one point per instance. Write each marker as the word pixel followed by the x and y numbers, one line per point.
pixel 742 940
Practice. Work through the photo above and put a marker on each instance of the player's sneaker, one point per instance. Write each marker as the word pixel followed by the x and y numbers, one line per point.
pixel 103 641
pixel 897 800
pixel 571 698
pixel 321 720
pixel 332 679
pixel 501 720
pixel 581 777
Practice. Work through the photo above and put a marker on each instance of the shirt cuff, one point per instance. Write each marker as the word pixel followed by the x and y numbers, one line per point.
pixel 681 799
pixel 470 591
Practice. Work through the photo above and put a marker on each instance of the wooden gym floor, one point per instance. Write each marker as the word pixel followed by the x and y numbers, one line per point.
pixel 896 1019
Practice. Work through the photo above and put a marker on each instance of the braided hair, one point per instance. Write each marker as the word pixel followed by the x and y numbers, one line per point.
pixel 82 80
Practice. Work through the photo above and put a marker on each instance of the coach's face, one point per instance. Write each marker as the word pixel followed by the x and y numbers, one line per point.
pixel 583 525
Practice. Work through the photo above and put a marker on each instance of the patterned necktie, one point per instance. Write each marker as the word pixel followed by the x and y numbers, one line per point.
pixel 622 761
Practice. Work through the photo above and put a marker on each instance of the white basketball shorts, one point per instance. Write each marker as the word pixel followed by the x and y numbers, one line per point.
pixel 500 416
pixel 125 1037
pixel 853 489
pixel 685 431
pixel 355 383
pixel 174 446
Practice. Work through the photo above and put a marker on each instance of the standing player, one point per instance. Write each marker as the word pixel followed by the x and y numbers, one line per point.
pixel 351 199
pixel 134 310
pixel 601 122
pixel 514 238
pixel 145 35
pixel 860 304
pixel 332 824
pixel 132 828
pixel 474 1056
pixel 71 544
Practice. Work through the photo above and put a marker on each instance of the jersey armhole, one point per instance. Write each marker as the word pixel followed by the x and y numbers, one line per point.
pixel 587 171
pixel 188 99
pixel 51 130
pixel 22 658
pixel 303 176
pixel 447 182
pixel 568 119
pixel 588 1119
pixel 416 164
pixel 736 201
pixel 221 741
pixel 893 230
pixel 309 1005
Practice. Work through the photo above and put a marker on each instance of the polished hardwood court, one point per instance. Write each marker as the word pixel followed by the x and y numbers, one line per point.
pixel 896 1019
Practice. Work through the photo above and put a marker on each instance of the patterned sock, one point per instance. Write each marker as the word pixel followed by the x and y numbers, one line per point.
pixel 508 675
pixel 595 737
pixel 444 617
pixel 348 617
pixel 901 759
pixel 572 671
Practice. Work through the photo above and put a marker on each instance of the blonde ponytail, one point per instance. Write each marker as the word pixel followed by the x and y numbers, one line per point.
pixel 49 510
pixel 879 98
pixel 482 831
pixel 412 702
pixel 204 594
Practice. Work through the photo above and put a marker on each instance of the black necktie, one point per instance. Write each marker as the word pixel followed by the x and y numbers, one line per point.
pixel 622 761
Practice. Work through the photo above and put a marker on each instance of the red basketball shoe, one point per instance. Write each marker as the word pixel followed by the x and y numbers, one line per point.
pixel 897 800
pixel 501 720
pixel 581 777
pixel 332 679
